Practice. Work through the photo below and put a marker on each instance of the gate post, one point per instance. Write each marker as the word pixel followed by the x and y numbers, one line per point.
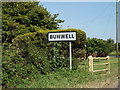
pixel 108 61
pixel 90 63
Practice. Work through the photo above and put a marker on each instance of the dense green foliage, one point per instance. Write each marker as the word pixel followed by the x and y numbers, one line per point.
pixel 23 17
pixel 15 68
pixel 79 78
pixel 114 53
pixel 18 18
pixel 99 47
pixel 32 53
pixel 40 38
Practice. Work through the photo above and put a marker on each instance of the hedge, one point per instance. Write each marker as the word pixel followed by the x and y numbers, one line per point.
pixel 40 38
pixel 33 53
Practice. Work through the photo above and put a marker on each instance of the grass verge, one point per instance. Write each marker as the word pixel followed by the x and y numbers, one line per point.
pixel 65 78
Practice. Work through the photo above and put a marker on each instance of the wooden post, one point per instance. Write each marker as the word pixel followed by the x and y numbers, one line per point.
pixel 107 69
pixel 108 65
pixel 90 63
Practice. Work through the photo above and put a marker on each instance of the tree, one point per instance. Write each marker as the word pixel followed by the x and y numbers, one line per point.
pixel 23 17
pixel 99 46
pixel 110 44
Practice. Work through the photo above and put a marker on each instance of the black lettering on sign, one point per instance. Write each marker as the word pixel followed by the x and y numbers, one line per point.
pixel 72 36
pixel 69 36
pixel 58 36
pixel 54 36
pixel 62 36
pixel 50 36
pixel 66 35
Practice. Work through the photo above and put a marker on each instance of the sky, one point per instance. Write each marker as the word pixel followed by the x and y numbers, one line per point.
pixel 97 19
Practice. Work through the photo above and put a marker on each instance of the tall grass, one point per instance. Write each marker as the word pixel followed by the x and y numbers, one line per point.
pixel 66 78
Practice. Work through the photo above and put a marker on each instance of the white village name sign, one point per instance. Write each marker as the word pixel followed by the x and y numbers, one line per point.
pixel 63 36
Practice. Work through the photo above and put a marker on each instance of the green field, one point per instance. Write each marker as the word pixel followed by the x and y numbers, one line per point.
pixel 65 78
pixel 114 53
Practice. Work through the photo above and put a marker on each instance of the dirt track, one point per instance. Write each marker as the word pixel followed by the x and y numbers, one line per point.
pixel 113 84
pixel 102 84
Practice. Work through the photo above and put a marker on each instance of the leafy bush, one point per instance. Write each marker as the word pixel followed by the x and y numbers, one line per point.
pixel 31 53
pixel 99 47
pixel 58 51
pixel 56 59
pixel 40 38
pixel 15 68
pixel 23 17
pixel 39 58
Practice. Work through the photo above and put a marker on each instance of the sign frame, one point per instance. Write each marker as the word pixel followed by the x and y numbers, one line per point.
pixel 63 40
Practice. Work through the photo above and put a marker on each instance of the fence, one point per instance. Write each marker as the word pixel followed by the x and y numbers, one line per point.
pixel 91 64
